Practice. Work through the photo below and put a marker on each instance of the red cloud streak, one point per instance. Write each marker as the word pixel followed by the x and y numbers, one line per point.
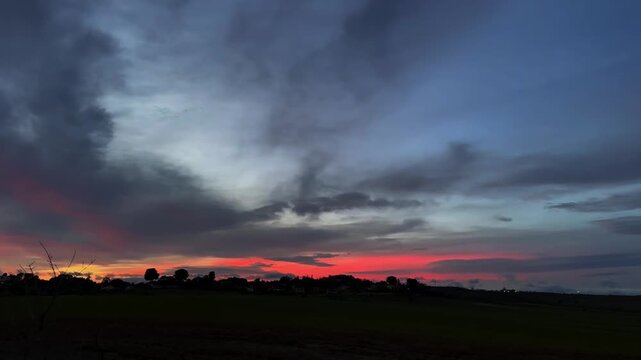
pixel 36 195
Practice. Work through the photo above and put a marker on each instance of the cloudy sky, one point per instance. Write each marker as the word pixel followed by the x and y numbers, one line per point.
pixel 481 143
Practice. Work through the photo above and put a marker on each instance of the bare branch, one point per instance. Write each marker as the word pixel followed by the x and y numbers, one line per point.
pixel 73 257
pixel 49 259
pixel 22 269
pixel 88 265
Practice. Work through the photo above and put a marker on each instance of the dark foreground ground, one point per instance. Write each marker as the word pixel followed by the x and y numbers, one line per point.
pixel 235 326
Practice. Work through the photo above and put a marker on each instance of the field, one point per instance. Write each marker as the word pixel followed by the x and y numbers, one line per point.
pixel 235 326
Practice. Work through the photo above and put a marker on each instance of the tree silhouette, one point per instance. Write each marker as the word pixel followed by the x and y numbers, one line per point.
pixel 392 280
pixel 212 275
pixel 151 274
pixel 181 274
pixel 412 284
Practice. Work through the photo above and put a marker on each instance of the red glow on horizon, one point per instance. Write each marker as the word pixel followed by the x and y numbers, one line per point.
pixel 373 267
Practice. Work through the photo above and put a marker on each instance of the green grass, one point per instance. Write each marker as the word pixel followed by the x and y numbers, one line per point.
pixel 439 321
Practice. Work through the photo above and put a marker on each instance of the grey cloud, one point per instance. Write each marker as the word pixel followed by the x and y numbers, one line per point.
pixel 267 212
pixel 180 217
pixel 433 175
pixel 273 241
pixel 603 274
pixel 267 241
pixel 464 169
pixel 307 259
pixel 18 219
pixel 361 51
pixel 607 164
pixel 627 225
pixel 536 265
pixel 616 202
pixel 503 218
pixel 347 201
pixel 309 180
pixel 323 204
pixel 56 69
pixel 56 133
pixel 408 225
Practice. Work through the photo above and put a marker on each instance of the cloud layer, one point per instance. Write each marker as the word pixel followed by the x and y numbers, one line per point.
pixel 315 134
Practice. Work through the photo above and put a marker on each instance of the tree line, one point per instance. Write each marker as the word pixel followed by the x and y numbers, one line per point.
pixel 29 283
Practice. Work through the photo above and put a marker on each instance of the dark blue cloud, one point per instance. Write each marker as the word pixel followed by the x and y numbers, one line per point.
pixel 537 265
pixel 612 203
pixel 627 225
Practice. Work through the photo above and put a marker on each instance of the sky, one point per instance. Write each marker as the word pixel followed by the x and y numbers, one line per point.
pixel 483 144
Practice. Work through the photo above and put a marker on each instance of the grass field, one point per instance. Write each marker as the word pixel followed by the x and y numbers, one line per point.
pixel 193 326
